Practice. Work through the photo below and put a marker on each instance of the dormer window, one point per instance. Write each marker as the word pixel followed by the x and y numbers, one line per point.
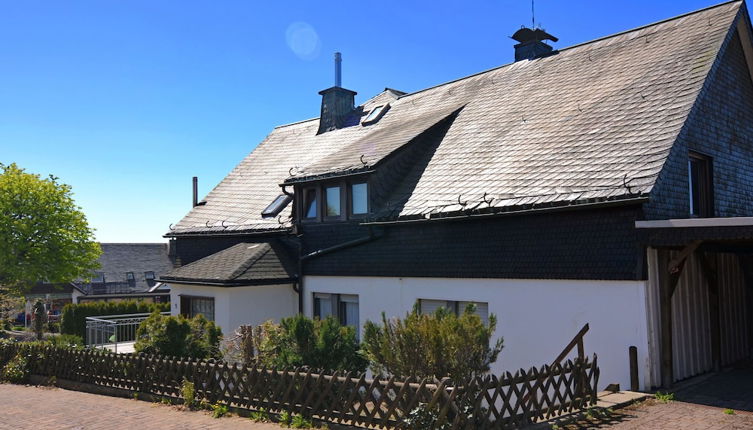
pixel 333 207
pixel 359 198
pixel 340 200
pixel 310 204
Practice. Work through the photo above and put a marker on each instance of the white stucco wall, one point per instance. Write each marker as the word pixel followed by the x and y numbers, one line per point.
pixel 537 318
pixel 235 306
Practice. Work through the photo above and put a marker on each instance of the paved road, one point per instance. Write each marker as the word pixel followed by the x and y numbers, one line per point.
pixel 38 408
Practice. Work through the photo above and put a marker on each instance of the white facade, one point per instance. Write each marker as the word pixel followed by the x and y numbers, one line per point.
pixel 236 306
pixel 536 318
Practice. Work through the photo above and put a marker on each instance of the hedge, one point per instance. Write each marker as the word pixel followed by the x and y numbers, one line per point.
pixel 73 319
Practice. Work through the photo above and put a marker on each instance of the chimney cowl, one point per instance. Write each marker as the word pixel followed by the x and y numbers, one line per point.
pixel 532 44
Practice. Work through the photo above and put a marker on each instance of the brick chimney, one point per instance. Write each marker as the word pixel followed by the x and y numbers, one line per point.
pixel 337 102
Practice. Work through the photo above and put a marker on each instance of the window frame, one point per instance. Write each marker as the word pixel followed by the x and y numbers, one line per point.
pixel 704 206
pixel 343 200
pixel 184 298
pixel 304 206
pixel 351 200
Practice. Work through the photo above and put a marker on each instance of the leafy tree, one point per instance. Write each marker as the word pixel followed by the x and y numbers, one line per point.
pixel 178 336
pixel 44 236
pixel 437 345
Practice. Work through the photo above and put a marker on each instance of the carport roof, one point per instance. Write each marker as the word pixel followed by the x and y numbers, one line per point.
pixel 734 234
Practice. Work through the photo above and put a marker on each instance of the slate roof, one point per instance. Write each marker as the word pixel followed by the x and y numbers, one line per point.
pixel 119 258
pixel 594 122
pixel 242 264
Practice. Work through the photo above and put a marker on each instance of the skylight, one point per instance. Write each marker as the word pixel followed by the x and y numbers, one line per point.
pixel 375 114
pixel 276 206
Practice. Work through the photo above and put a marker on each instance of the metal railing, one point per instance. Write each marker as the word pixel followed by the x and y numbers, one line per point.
pixel 107 331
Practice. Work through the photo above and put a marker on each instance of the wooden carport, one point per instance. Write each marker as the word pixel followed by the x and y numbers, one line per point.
pixel 720 251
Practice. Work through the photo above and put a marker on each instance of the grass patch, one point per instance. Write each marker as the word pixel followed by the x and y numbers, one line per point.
pixel 664 397
pixel 729 411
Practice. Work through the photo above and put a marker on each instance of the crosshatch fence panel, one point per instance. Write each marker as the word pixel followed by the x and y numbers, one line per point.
pixel 510 400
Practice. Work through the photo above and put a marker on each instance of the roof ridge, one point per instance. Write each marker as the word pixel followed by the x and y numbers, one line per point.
pixel 578 45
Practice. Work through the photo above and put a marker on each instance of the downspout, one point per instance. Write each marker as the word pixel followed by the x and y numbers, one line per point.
pixel 298 286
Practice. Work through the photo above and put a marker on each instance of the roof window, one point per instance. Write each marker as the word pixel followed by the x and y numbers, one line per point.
pixel 276 206
pixel 376 114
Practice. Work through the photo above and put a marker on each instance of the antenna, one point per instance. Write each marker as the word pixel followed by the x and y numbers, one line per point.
pixel 533 15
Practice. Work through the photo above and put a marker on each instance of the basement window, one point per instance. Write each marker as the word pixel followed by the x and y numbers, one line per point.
pixel 700 183
pixel 274 208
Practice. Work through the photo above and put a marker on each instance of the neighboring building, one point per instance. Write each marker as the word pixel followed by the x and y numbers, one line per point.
pixel 128 271
pixel 547 191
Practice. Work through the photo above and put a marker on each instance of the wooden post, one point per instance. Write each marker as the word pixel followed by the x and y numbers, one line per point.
pixel 665 305
pixel 709 268
pixel 633 353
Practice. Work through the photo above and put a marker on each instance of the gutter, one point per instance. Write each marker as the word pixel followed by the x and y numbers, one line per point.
pixel 623 202
pixel 254 283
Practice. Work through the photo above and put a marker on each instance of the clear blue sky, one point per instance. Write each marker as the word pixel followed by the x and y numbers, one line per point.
pixel 127 100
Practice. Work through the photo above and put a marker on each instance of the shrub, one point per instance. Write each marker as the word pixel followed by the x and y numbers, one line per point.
pixel 66 341
pixel 285 419
pixel 178 336
pixel 188 392
pixel 300 422
pixel 422 418
pixel 16 371
pixel 260 416
pixel 73 318
pixel 436 345
pixel 302 341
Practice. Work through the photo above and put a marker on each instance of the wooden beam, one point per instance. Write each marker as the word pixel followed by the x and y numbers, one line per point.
pixel 665 323
pixel 709 269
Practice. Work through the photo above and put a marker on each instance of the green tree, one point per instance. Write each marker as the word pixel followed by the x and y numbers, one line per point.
pixel 437 345
pixel 44 236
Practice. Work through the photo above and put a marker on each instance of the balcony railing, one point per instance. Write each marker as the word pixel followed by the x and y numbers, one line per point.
pixel 114 331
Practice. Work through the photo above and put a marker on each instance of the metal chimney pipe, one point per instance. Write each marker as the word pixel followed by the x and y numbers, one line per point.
pixel 338 69
pixel 195 191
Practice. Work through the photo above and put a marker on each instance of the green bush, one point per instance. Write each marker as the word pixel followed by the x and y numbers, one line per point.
pixel 66 341
pixel 178 336
pixel 188 392
pixel 301 341
pixel 16 371
pixel 436 345
pixel 73 318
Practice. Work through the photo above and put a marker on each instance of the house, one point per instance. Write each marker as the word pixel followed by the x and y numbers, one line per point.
pixel 608 183
pixel 127 271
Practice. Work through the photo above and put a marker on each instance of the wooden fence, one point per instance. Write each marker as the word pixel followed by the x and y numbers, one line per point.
pixel 493 402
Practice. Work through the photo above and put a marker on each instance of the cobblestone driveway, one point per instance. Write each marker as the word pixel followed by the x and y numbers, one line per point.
pixel 654 415
pixel 38 408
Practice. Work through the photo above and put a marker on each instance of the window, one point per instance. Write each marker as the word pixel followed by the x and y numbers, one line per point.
pixel 376 114
pixel 130 277
pixel 274 208
pixel 310 205
pixel 427 306
pixel 359 199
pixel 700 184
pixel 332 195
pixel 192 306
pixel 149 276
pixel 344 307
pixel 98 278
